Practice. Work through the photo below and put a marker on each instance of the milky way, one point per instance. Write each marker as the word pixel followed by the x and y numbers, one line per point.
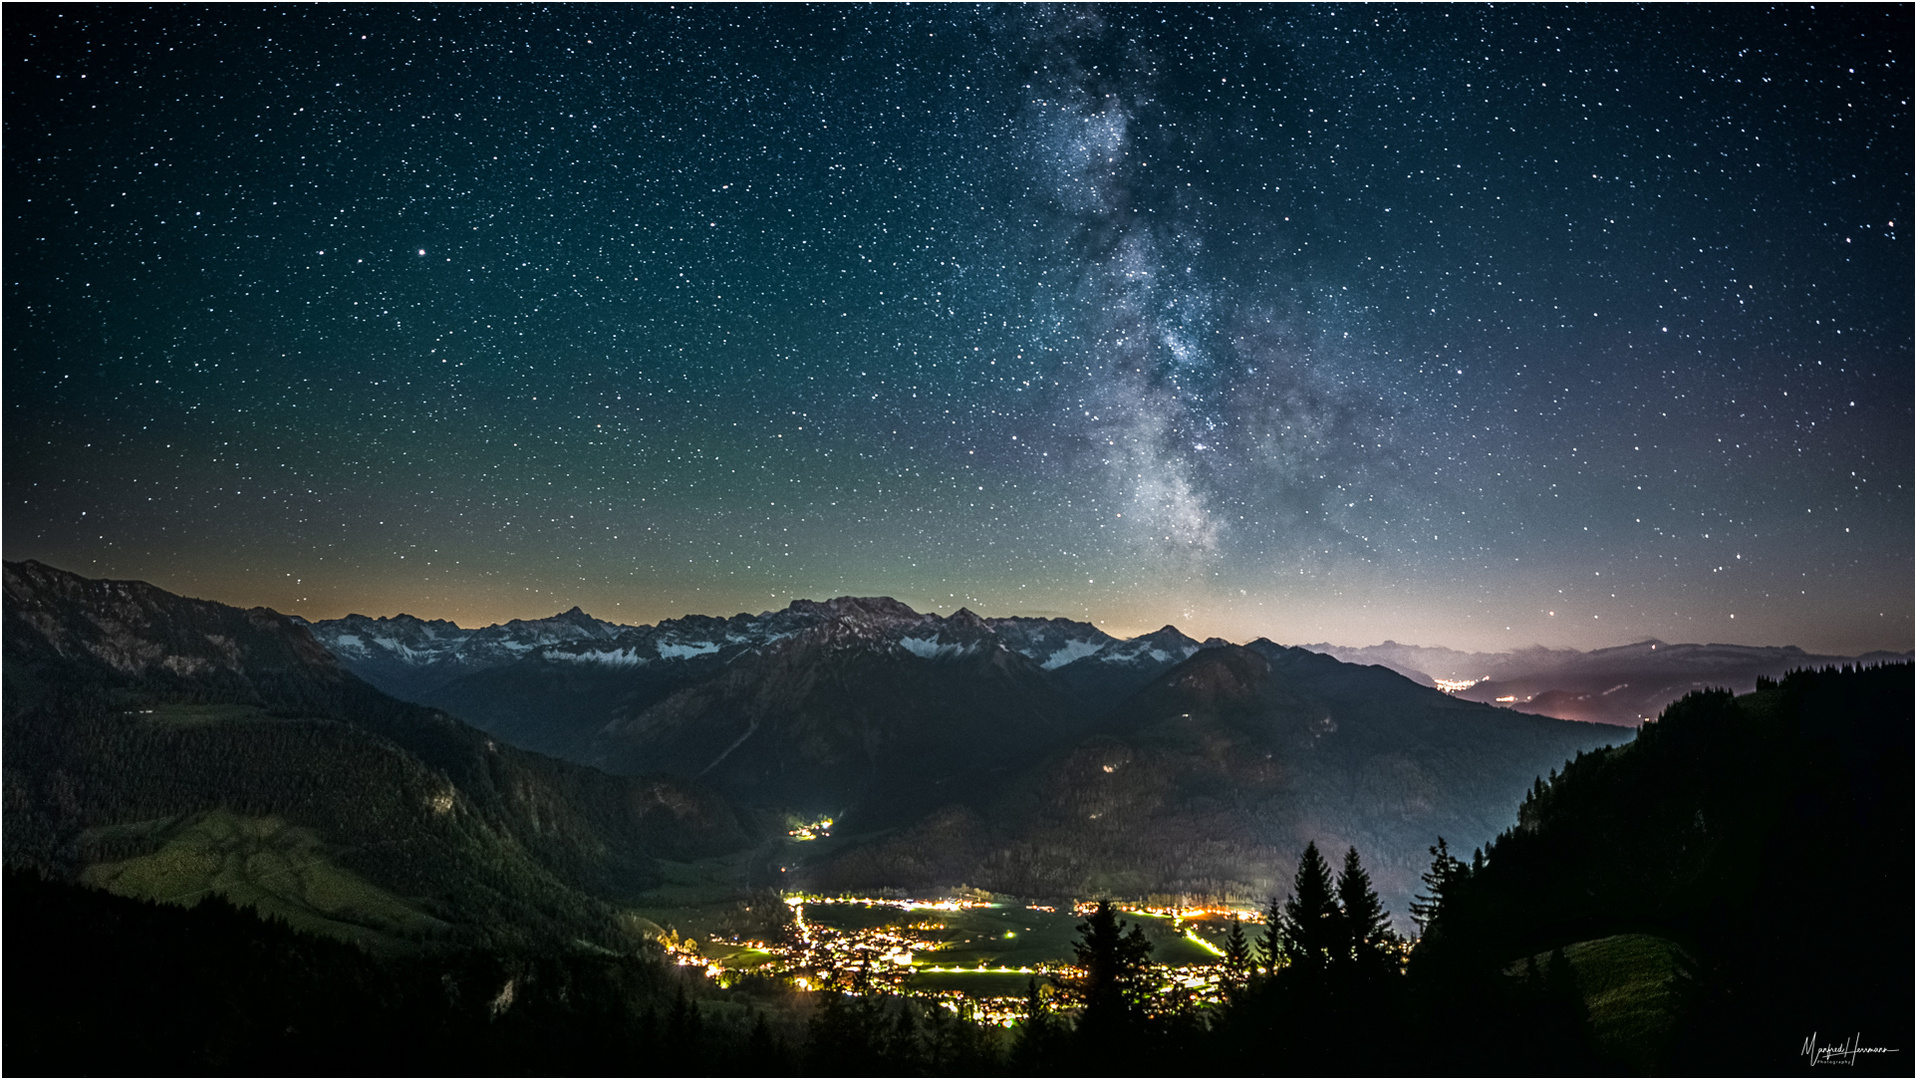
pixel 1466 326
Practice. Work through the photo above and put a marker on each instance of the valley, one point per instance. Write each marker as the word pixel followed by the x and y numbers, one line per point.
pixel 981 953
pixel 924 820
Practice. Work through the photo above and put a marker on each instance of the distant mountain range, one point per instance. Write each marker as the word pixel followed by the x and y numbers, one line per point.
pixel 576 686
pixel 961 749
pixel 500 676
pixel 1626 685
pixel 417 656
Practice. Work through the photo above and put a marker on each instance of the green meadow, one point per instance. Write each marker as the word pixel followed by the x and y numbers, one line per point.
pixel 259 862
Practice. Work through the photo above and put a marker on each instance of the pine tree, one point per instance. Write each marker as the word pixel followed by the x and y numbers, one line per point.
pixel 1034 1047
pixel 1113 988
pixel 1566 1020
pixel 903 1046
pixel 684 1032
pixel 847 1037
pixel 1237 960
pixel 1445 869
pixel 1310 927
pixel 1367 926
pixel 764 1056
pixel 1271 948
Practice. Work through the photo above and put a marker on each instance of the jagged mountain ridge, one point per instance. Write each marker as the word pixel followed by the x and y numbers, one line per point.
pixel 407 655
pixel 562 685
pixel 419 654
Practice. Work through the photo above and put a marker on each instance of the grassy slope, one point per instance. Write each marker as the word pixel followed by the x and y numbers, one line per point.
pixel 262 863
pixel 1637 989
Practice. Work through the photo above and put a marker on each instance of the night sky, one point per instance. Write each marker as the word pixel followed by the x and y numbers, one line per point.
pixel 1457 325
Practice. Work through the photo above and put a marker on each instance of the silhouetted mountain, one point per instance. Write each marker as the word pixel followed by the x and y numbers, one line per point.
pixel 169 747
pixel 1211 780
pixel 1625 685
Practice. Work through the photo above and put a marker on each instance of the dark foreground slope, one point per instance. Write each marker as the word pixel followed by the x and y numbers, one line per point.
pixel 1765 841
pixel 103 985
pixel 1212 779
pixel 168 747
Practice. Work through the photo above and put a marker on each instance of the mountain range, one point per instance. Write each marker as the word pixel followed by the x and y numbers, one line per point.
pixel 576 686
pixel 1033 756
pixel 438 662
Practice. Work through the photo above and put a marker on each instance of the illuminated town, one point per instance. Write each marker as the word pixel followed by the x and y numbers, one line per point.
pixel 918 951
pixel 811 830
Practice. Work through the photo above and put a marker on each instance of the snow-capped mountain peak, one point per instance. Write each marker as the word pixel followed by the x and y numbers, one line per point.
pixel 411 656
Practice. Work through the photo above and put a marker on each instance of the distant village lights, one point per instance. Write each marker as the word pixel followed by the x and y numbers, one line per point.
pixel 811 830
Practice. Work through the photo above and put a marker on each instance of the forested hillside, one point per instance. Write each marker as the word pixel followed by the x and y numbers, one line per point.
pixel 167 747
pixel 1214 777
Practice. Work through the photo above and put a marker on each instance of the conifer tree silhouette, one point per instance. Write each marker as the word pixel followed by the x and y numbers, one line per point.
pixel 1271 946
pixel 1113 959
pixel 1368 940
pixel 1445 869
pixel 1311 928
pixel 1237 960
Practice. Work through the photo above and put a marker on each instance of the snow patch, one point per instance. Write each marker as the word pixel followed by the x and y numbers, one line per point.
pixel 677 651
pixel 932 648
pixel 606 657
pixel 1070 651
pixel 404 651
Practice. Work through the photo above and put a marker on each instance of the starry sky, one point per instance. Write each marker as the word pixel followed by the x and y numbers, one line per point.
pixel 1470 326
